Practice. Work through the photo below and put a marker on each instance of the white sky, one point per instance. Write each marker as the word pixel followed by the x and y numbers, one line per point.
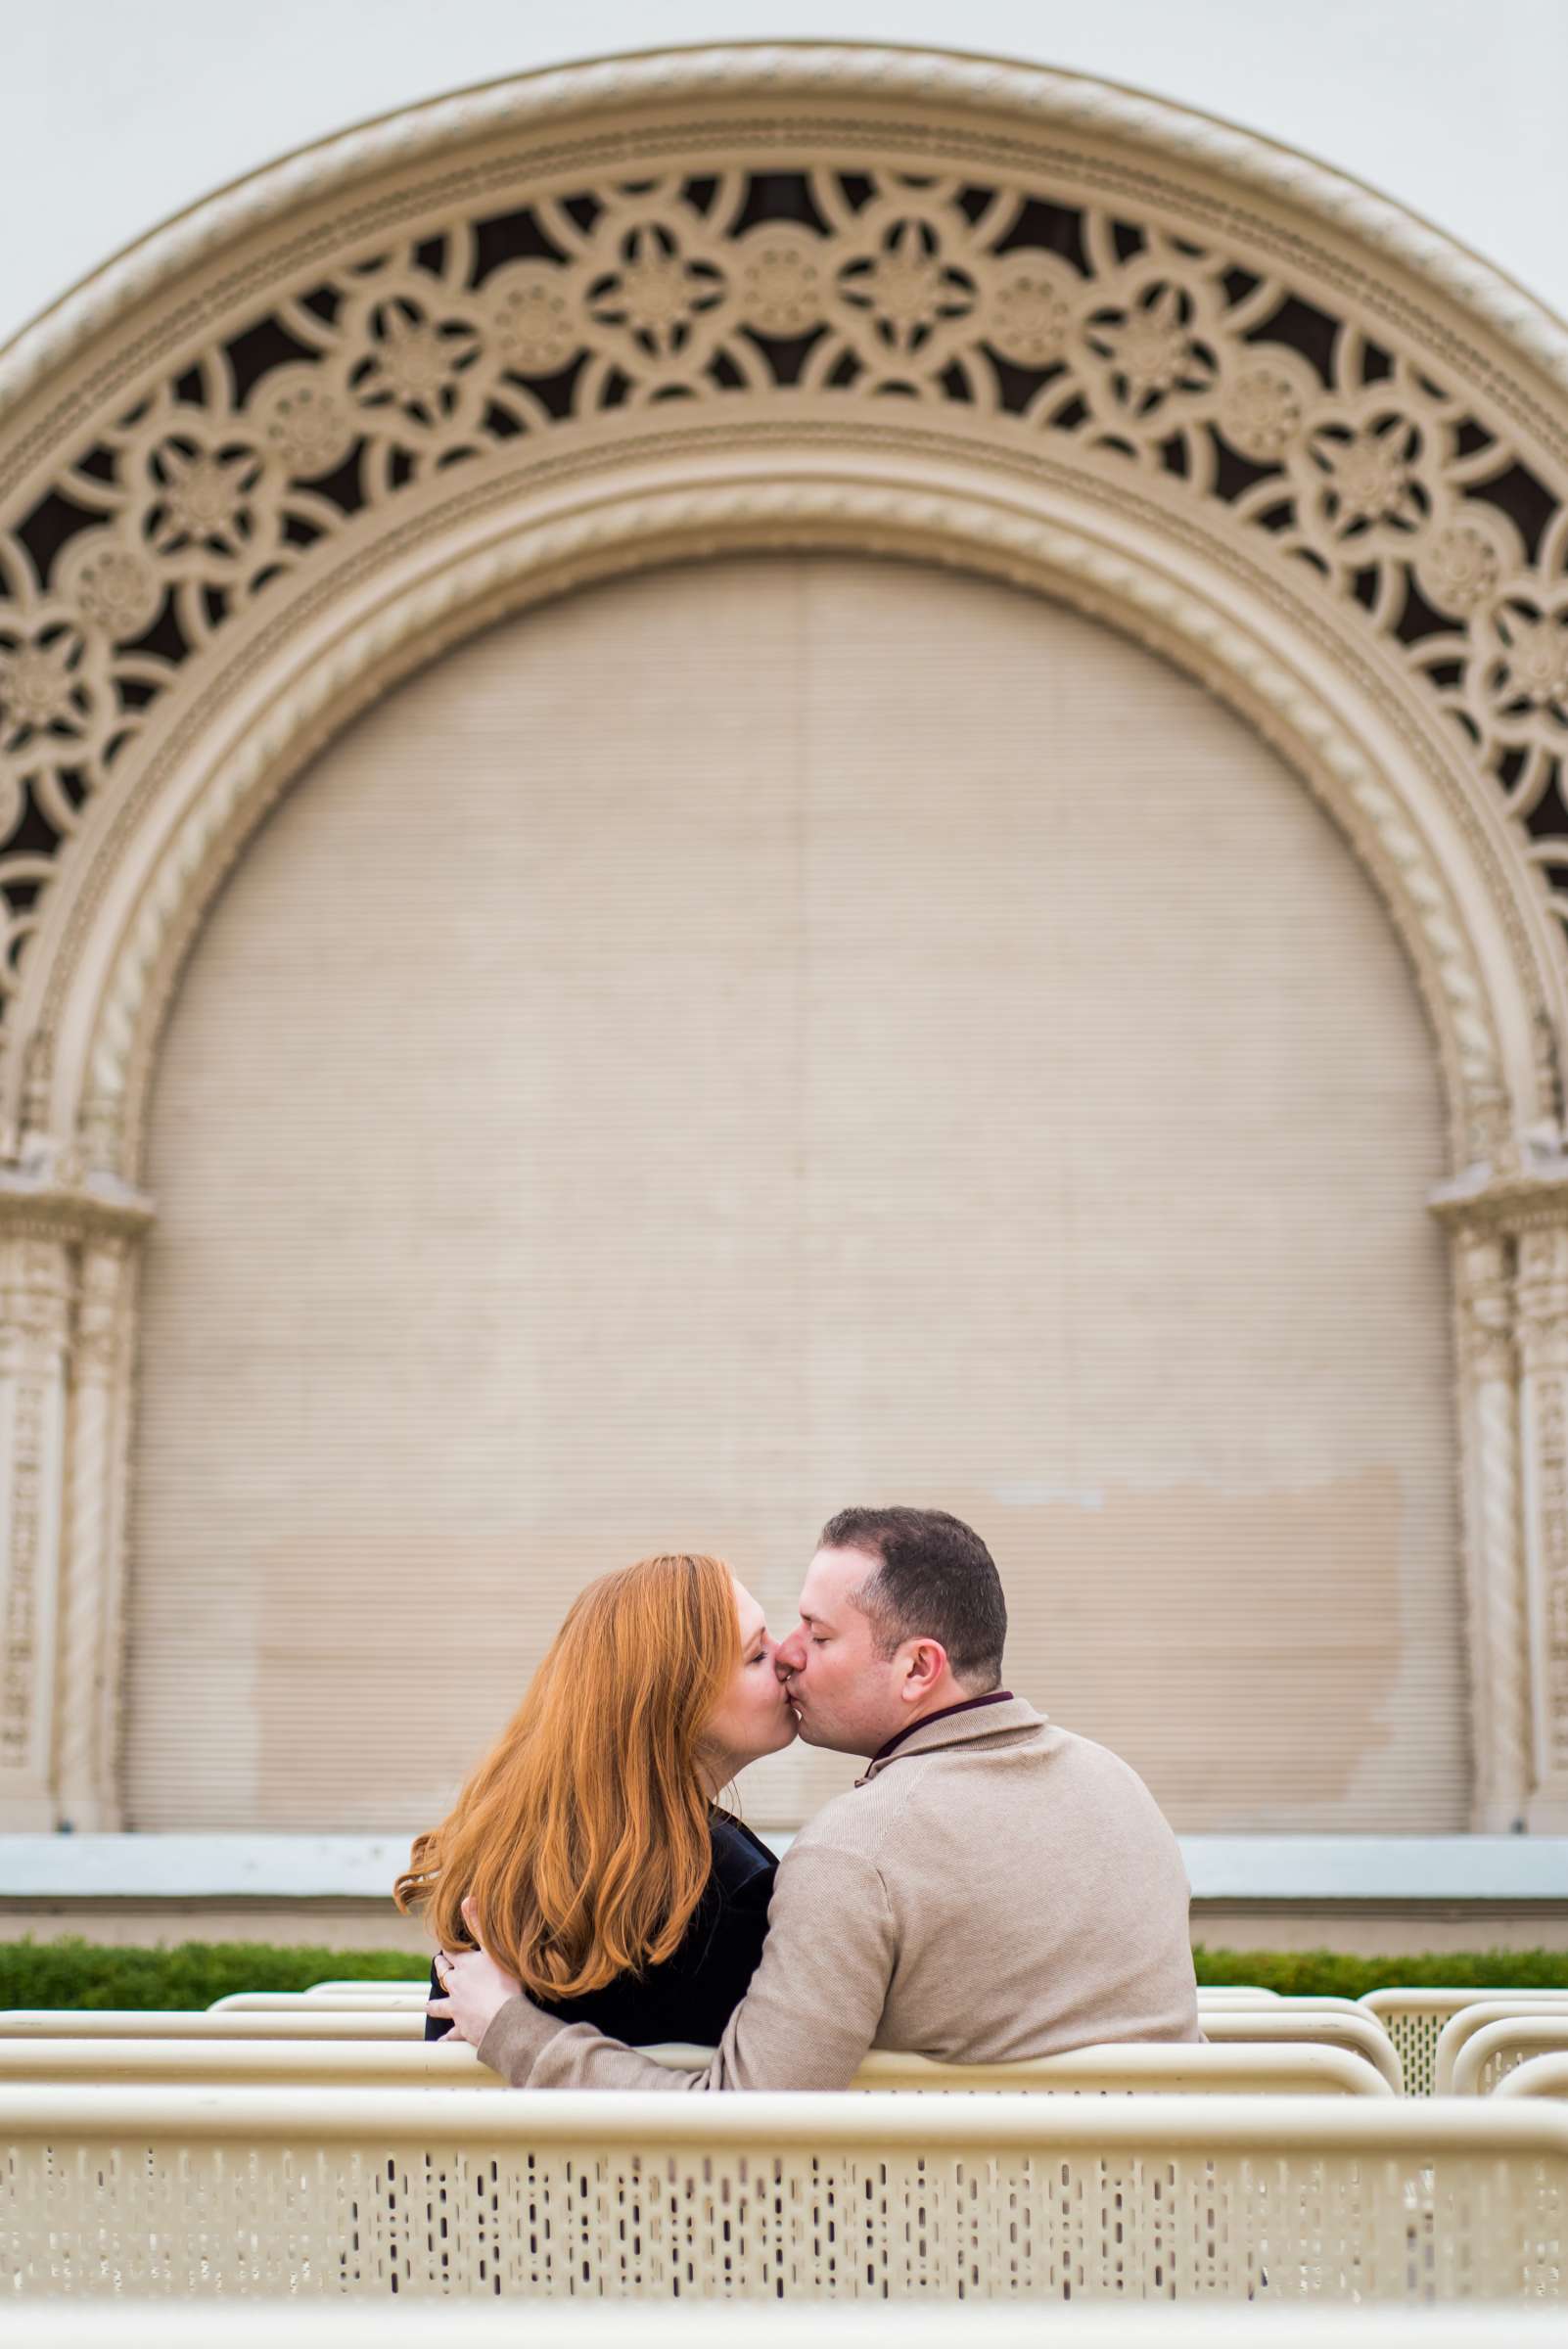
pixel 118 113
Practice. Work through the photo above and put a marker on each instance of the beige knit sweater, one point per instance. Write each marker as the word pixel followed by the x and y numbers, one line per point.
pixel 994 1888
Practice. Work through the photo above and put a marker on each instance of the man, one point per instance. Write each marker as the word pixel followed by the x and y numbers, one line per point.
pixel 993 1888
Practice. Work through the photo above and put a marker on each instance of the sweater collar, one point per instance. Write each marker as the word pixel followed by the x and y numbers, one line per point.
pixel 962 1723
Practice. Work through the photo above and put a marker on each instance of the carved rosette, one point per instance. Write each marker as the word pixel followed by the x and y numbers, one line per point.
pixel 65 1266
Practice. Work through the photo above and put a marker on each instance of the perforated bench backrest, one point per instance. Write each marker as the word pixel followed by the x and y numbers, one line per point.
pixel 222 2192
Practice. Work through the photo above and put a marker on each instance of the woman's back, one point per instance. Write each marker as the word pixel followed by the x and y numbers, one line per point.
pixel 691 1996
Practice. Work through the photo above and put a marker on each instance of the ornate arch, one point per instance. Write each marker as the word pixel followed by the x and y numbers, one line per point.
pixel 641 311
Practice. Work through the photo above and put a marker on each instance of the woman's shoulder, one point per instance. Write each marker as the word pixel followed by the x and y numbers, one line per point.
pixel 742 1860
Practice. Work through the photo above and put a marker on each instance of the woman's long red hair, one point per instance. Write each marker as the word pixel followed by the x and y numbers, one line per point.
pixel 582 1836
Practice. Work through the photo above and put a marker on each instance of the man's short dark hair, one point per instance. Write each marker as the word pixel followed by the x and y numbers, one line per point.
pixel 935 1578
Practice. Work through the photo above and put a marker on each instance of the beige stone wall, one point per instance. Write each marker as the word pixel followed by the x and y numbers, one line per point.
pixel 775 1032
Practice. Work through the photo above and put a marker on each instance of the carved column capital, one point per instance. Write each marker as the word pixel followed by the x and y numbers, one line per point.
pixel 1523 1186
pixel 49 1212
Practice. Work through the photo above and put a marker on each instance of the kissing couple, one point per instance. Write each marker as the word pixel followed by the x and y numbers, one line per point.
pixel 992 1888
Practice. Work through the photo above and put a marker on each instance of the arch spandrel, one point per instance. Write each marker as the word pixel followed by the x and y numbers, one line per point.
pixel 324 424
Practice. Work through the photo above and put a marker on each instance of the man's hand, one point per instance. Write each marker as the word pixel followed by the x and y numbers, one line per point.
pixel 476 1987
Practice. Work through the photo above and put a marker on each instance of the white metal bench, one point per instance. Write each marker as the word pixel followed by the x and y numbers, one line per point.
pixel 1358 2034
pixel 1121 2070
pixel 191 2191
pixel 1541 2076
pixel 1227 1995
pixel 472 2324
pixel 204 2023
pixel 1500 2048
pixel 320 2001
pixel 1463 2027
pixel 344 1989
pixel 1414 2018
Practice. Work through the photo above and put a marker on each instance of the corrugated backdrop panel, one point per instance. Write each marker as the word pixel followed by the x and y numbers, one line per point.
pixel 761 1037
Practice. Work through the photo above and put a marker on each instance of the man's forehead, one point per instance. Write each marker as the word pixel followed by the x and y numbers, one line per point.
pixel 832 1578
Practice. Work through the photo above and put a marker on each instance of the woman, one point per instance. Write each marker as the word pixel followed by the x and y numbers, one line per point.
pixel 589 1841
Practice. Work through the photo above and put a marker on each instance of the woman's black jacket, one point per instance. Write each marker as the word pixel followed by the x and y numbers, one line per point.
pixel 693 1994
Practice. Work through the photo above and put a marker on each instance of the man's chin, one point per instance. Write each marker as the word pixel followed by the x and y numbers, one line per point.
pixel 811 1734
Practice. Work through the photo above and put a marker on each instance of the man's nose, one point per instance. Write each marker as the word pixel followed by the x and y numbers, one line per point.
pixel 789 1655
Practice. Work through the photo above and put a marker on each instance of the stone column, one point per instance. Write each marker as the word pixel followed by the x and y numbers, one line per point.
pixel 1494 1582
pixel 36 1296
pixel 91 1648
pixel 66 1263
pixel 1542 1326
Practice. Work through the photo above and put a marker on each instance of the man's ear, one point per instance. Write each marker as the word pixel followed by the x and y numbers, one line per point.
pixel 928 1661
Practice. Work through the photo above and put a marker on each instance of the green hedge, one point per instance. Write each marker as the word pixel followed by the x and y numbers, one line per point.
pixel 1303 1973
pixel 74 1972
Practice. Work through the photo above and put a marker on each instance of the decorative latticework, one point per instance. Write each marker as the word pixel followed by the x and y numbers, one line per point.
pixel 1003 301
